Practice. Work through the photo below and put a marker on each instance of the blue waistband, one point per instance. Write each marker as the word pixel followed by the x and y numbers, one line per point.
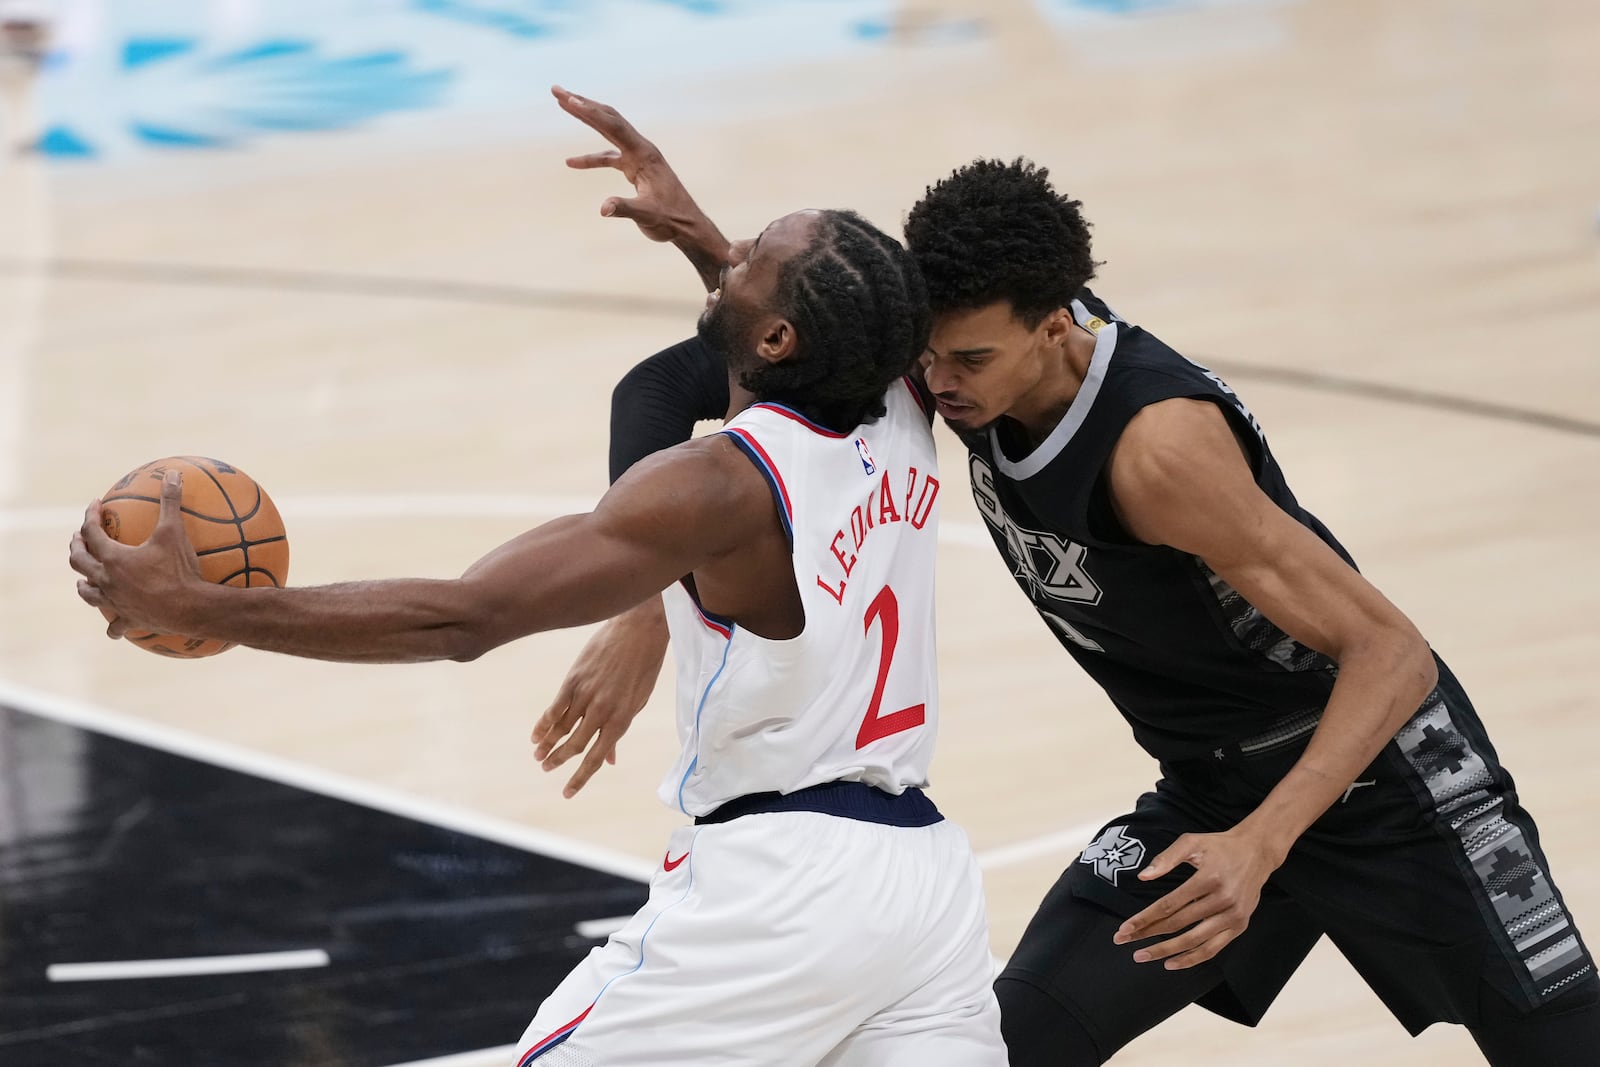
pixel 848 800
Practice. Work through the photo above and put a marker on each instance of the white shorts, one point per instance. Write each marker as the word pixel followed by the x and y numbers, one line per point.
pixel 789 938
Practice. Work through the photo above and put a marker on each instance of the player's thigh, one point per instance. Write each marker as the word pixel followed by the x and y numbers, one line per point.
pixel 943 1009
pixel 967 1038
pixel 1068 978
pixel 774 938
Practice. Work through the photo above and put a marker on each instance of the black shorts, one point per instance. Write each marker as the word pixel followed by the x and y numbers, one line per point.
pixel 1427 876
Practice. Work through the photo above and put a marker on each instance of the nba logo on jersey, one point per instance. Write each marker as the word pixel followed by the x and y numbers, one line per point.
pixel 866 455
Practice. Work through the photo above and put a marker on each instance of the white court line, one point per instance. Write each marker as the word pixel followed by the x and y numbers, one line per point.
pixel 484 1057
pixel 451 818
pixel 601 927
pixel 1058 843
pixel 112 970
pixel 406 506
pixel 327 783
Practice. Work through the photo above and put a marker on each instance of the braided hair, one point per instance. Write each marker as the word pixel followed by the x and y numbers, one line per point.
pixel 860 312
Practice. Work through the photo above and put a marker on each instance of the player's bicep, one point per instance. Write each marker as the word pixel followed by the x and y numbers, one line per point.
pixel 1180 478
pixel 1302 586
pixel 658 523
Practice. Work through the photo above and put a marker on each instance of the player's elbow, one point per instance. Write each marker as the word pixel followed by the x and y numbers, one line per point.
pixel 473 635
pixel 1407 659
pixel 466 646
pixel 1421 666
pixel 472 625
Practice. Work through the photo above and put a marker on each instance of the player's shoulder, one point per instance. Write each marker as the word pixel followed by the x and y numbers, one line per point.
pixel 1172 442
pixel 706 474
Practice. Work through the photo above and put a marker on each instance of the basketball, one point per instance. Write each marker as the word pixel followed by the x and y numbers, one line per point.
pixel 232 523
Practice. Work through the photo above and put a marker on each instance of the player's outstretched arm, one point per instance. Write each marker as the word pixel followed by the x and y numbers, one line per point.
pixel 1179 478
pixel 661 207
pixel 668 517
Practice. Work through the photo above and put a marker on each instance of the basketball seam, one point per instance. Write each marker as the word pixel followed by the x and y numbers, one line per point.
pixel 233 548
pixel 244 539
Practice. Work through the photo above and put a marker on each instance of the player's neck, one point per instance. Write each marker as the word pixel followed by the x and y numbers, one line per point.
pixel 1043 407
pixel 739 397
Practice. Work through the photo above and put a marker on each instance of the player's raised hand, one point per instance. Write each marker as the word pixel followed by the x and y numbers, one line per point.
pixel 607 685
pixel 1211 908
pixel 141 586
pixel 661 207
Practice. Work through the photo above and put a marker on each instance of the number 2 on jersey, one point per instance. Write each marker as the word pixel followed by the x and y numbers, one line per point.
pixel 886 610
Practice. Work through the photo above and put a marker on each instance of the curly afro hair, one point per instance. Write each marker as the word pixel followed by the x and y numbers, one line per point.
pixel 998 231
pixel 861 318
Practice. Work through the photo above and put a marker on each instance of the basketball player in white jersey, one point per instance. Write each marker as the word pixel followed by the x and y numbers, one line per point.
pixel 818 909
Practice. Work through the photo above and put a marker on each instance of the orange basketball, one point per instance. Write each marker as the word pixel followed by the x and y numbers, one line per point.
pixel 232 523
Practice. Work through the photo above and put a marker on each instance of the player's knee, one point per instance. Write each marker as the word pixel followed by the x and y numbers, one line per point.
pixel 1039 1031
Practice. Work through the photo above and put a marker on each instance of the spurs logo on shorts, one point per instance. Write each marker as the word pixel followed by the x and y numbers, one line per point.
pixel 1114 852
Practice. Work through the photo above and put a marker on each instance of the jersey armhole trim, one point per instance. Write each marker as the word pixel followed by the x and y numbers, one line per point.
pixel 919 397
pixel 720 625
pixel 769 470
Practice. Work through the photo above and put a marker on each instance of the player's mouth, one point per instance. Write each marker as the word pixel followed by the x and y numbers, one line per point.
pixel 952 411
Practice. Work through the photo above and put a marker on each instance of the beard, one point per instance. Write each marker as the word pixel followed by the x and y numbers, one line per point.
pixel 727 329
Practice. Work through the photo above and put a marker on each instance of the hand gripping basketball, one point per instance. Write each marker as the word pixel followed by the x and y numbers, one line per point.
pixel 162 529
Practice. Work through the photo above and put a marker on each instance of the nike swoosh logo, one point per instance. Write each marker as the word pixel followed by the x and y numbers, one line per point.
pixel 670 864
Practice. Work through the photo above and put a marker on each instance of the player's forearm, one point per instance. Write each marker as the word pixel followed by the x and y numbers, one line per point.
pixel 705 248
pixel 657 403
pixel 1381 683
pixel 398 621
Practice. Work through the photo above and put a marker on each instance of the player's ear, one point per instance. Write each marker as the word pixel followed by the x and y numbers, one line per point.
pixel 778 342
pixel 1057 326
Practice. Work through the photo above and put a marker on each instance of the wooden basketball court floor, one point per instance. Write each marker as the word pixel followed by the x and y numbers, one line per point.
pixel 1377 220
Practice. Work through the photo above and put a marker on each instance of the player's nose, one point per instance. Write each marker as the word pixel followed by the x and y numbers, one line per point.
pixel 937 376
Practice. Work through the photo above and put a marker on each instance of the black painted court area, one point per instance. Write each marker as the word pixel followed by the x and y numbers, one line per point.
pixel 439 942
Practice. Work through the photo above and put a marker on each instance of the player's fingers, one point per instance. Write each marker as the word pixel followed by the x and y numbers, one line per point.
pixel 551 726
pixel 93 529
pixel 1138 926
pixel 171 517
pixel 1179 944
pixel 547 744
pixel 90 594
pixel 1191 913
pixel 1177 852
pixel 602 119
pixel 592 761
pixel 83 561
pixel 1206 950
pixel 116 629
pixel 596 160
pixel 621 207
pixel 573 744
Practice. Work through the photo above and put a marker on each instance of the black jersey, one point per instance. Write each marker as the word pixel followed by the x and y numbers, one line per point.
pixel 1186 659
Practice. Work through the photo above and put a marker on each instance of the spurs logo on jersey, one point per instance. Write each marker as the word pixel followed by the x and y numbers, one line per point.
pixel 1050 565
pixel 1048 562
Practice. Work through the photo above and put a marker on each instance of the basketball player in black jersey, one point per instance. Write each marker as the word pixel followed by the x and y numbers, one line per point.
pixel 1323 773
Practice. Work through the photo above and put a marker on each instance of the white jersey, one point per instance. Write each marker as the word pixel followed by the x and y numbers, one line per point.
pixel 854 697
